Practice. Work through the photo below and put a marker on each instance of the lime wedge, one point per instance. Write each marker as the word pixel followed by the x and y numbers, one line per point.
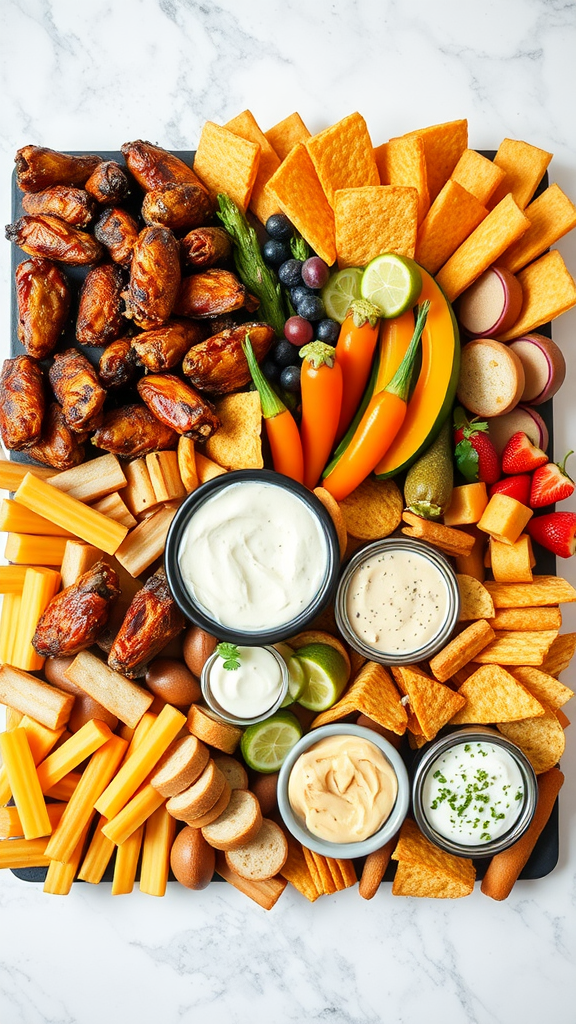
pixel 326 676
pixel 265 745
pixel 296 677
pixel 393 283
pixel 339 291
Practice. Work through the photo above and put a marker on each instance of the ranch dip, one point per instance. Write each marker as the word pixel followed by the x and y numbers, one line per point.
pixel 253 556
pixel 250 689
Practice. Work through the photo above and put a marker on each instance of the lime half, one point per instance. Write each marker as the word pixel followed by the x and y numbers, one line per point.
pixel 265 745
pixel 340 290
pixel 326 676
pixel 393 283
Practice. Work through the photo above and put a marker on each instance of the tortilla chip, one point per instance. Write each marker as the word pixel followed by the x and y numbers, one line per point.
pixel 287 134
pixel 313 869
pixel 381 158
pixel 337 877
pixel 549 290
pixel 560 654
pixel 343 156
pixel 373 510
pixel 544 687
pixel 432 704
pixel 541 739
pixel 372 220
pixel 517 647
pixel 295 870
pixel 372 693
pixel 551 216
pixel 300 196
pixel 443 145
pixel 477 175
pixel 475 601
pixel 493 695
pixel 562 718
pixel 542 591
pixel 226 163
pixel 451 541
pixel 207 469
pixel 237 443
pixel 454 214
pixel 402 161
pixel 329 886
pixel 463 648
pixel 524 166
pixel 426 870
pixel 503 226
pixel 348 872
pixel 527 618
pixel 262 202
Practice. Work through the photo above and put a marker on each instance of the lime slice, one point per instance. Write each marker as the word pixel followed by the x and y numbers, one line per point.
pixel 265 745
pixel 393 283
pixel 339 291
pixel 296 677
pixel 326 676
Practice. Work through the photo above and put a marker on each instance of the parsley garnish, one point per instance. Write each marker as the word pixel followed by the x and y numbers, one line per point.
pixel 230 655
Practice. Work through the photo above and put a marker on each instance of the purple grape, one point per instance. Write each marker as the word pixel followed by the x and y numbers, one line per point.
pixel 315 272
pixel 298 331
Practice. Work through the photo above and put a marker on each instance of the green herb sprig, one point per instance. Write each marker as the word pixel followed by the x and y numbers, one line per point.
pixel 230 655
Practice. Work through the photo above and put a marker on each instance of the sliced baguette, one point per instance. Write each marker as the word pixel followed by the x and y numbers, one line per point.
pixel 200 820
pixel 238 825
pixel 261 858
pixel 180 767
pixel 212 730
pixel 200 797
pixel 491 378
pixel 232 770
pixel 264 893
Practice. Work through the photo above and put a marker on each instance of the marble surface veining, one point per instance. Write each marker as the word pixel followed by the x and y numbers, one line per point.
pixel 92 75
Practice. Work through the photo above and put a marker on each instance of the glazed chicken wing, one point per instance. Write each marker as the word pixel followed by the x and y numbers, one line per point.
pixel 51 237
pixel 58 446
pixel 118 232
pixel 38 168
pixel 205 246
pixel 179 406
pixel 73 205
pixel 211 293
pixel 76 387
pixel 77 615
pixel 179 206
pixel 108 183
pixel 163 348
pixel 43 300
pixel 22 402
pixel 154 278
pixel 153 166
pixel 132 431
pixel 117 364
pixel 100 318
pixel 219 364
pixel 152 620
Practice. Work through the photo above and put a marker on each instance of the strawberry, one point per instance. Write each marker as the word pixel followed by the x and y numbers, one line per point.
pixel 551 483
pixel 475 455
pixel 556 532
pixel 514 486
pixel 521 456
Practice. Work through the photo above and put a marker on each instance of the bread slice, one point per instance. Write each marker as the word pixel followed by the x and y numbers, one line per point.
pixel 200 797
pixel 232 770
pixel 238 825
pixel 261 858
pixel 204 724
pixel 264 893
pixel 491 378
pixel 180 766
pixel 199 821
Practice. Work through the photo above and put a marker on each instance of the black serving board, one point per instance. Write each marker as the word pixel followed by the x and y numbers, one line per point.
pixel 545 854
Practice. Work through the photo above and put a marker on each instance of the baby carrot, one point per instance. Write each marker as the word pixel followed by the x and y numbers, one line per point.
pixel 321 403
pixel 285 443
pixel 354 352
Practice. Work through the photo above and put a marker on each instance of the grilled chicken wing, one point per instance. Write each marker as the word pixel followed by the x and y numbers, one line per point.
pixel 76 387
pixel 22 402
pixel 118 232
pixel 38 168
pixel 154 278
pixel 77 615
pixel 100 318
pixel 152 620
pixel 59 446
pixel 219 364
pixel 179 406
pixel 203 247
pixel 164 347
pixel 73 205
pixel 210 294
pixel 153 166
pixel 54 238
pixel 178 205
pixel 108 183
pixel 133 430
pixel 43 300
pixel 117 364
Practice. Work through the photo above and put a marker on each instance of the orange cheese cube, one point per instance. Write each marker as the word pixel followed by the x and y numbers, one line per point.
pixel 466 504
pixel 504 518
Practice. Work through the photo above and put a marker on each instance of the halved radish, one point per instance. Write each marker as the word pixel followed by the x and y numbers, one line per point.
pixel 492 304
pixel 502 428
pixel 544 367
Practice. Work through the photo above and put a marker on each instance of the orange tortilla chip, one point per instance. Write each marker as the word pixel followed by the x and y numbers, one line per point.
pixel 524 166
pixel 381 158
pixel 237 443
pixel 454 214
pixel 443 145
pixel 343 156
pixel 560 654
pixel 328 885
pixel 426 870
pixel 262 203
pixel 477 175
pixel 373 694
pixel 226 163
pixel 300 196
pixel 493 695
pixel 432 703
pixel 373 220
pixel 503 226
pixel 475 600
pixel 295 870
pixel 517 647
pixel 451 541
pixel 462 648
pixel 544 687
pixel 402 161
pixel 287 134
pixel 542 739
pixel 312 868
pixel 549 290
pixel 348 872
pixel 551 216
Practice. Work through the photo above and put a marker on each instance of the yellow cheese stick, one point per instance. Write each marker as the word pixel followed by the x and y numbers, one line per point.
pixel 23 779
pixel 11 604
pixel 60 876
pixel 40 586
pixel 158 839
pixel 97 857
pixel 11 827
pixel 31 549
pixel 66 511
pixel 24 853
pixel 141 762
pixel 64 789
pixel 103 764
pixel 126 865
pixel 139 733
pixel 14 518
pixel 12 578
pixel 81 745
pixel 135 813
pixel 41 740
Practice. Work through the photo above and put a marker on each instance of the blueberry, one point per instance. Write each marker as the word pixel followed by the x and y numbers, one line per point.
pixel 278 226
pixel 271 370
pixel 290 378
pixel 311 307
pixel 328 331
pixel 283 353
pixel 275 252
pixel 290 273
pixel 299 292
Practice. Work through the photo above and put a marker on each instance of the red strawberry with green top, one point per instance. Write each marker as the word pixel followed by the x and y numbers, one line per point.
pixel 475 455
pixel 551 483
pixel 514 486
pixel 556 532
pixel 521 456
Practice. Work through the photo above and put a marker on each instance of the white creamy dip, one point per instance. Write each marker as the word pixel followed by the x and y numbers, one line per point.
pixel 397 601
pixel 473 793
pixel 253 556
pixel 250 690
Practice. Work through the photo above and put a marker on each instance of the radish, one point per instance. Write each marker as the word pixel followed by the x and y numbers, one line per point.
pixel 491 305
pixel 502 428
pixel 544 367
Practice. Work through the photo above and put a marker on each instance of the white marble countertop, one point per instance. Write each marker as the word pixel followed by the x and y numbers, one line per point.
pixel 90 76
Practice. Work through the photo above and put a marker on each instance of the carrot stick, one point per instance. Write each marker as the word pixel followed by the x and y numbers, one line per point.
pixel 97 856
pixel 81 745
pixel 60 876
pixel 23 779
pixel 11 827
pixel 24 853
pixel 321 404
pixel 158 839
pixel 354 353
pixel 126 865
pixel 64 789
pixel 283 435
